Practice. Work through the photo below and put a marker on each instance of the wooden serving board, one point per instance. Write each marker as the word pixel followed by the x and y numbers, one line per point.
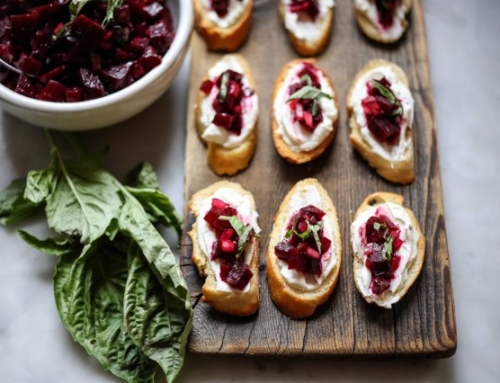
pixel 423 323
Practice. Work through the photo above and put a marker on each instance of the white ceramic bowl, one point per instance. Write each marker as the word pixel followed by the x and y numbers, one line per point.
pixel 116 107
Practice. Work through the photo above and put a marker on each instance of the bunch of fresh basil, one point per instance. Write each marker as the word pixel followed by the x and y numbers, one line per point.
pixel 117 285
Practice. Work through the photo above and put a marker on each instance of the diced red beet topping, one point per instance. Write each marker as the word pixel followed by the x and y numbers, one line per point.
pixel 304 244
pixel 306 111
pixel 383 111
pixel 85 59
pixel 382 243
pixel 228 102
pixel 305 7
pixel 386 11
pixel 234 271
pixel 221 7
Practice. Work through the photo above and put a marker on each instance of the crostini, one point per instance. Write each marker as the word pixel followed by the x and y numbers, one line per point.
pixel 381 108
pixel 384 21
pixel 226 247
pixel 388 249
pixel 223 24
pixel 304 254
pixel 308 24
pixel 304 113
pixel 227 108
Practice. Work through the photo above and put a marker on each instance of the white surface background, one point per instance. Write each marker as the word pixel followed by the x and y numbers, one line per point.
pixel 465 68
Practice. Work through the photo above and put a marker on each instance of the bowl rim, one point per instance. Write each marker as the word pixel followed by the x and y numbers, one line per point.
pixel 183 34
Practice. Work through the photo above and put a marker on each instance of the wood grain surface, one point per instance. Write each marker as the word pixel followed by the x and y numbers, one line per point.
pixel 423 323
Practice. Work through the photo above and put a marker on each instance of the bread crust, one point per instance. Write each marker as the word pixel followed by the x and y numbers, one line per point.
pixel 237 303
pixel 224 161
pixel 294 302
pixel 304 47
pixel 281 146
pixel 223 39
pixel 370 29
pixel 416 264
pixel 402 172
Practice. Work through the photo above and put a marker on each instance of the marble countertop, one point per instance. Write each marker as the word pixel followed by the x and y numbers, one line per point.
pixel 464 56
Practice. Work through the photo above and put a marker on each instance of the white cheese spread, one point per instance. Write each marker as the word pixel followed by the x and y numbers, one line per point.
pixel 234 12
pixel 304 28
pixel 293 133
pixel 306 281
pixel 206 236
pixel 250 108
pixel 408 251
pixel 401 91
pixel 395 31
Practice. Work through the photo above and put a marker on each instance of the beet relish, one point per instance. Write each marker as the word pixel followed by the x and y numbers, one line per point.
pixel 228 103
pixel 304 244
pixel 75 57
pixel 383 111
pixel 234 271
pixel 306 111
pixel 305 7
pixel 386 10
pixel 382 243
pixel 221 7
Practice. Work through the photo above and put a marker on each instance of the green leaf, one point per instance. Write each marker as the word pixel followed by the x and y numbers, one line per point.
pixel 155 322
pixel 13 207
pixel 76 6
pixel 307 79
pixel 83 202
pixel 52 246
pixel 377 226
pixel 309 93
pixel 387 93
pixel 159 207
pixel 241 229
pixel 89 296
pixel 143 176
pixel 315 234
pixel 223 86
pixel 110 11
pixel 387 249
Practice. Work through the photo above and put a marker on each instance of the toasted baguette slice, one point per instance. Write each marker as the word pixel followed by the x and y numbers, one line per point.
pixel 234 302
pixel 223 39
pixel 290 299
pixel 308 48
pixel 401 171
pixel 282 147
pixel 228 160
pixel 388 297
pixel 370 27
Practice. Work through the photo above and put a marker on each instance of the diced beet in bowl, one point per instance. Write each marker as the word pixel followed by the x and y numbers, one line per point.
pixel 89 55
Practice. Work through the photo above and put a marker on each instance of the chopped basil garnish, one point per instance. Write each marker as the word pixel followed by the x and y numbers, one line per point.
pixel 223 87
pixel 310 93
pixel 387 249
pixel 311 230
pixel 307 79
pixel 241 229
pixel 387 93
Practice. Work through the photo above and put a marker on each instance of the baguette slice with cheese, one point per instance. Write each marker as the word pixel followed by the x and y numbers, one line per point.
pixel 221 158
pixel 299 28
pixel 402 169
pixel 216 292
pixel 219 33
pixel 287 288
pixel 293 152
pixel 413 245
pixel 367 19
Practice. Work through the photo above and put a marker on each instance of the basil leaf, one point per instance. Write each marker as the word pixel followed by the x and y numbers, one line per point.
pixel 156 326
pixel 309 93
pixel 288 233
pixel 315 230
pixel 387 249
pixel 13 207
pixel 223 87
pixel 387 93
pixel 307 79
pixel 76 6
pixel 315 107
pixel 51 246
pixel 143 177
pixel 305 234
pixel 110 11
pixel 240 228
pixel 81 199
pixel 89 296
